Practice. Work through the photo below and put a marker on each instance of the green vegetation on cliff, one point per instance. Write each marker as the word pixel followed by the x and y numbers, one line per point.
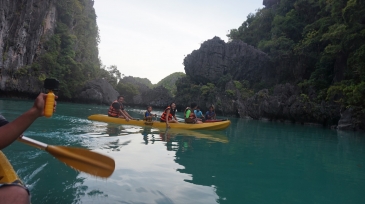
pixel 130 86
pixel 320 45
pixel 71 54
pixel 169 82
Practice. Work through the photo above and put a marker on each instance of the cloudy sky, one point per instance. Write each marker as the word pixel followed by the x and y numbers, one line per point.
pixel 150 39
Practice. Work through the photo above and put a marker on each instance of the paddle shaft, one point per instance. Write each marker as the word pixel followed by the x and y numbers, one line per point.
pixel 31 142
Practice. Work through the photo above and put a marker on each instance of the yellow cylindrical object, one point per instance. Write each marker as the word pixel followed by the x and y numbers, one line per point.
pixel 48 107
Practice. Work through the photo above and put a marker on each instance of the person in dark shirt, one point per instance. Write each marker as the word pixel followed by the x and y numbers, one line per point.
pixel 9 132
pixel 3 121
pixel 116 109
pixel 210 114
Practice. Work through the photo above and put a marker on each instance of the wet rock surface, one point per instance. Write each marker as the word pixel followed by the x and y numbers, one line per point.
pixel 98 91
pixel 287 103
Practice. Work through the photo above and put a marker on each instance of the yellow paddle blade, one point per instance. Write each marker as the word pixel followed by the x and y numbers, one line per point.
pixel 84 160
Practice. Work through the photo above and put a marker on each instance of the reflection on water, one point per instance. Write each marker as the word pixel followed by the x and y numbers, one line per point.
pixel 146 167
pixel 113 130
pixel 250 162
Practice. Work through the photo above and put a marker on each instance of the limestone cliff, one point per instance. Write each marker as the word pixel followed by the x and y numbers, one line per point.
pixel 216 67
pixel 22 26
pixel 47 38
pixel 238 80
pixel 215 58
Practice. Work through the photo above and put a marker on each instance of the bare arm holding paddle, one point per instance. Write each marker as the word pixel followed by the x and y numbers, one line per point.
pixel 11 131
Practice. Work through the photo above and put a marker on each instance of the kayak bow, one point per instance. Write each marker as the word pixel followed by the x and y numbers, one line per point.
pixel 7 173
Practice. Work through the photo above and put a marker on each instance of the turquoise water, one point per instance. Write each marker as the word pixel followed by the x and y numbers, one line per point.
pixel 250 162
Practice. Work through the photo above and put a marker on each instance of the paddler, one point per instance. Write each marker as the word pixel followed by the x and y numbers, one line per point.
pixel 168 116
pixel 16 192
pixel 189 114
pixel 116 109
pixel 148 115
pixel 210 114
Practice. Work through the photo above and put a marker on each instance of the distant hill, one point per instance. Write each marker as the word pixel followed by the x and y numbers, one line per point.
pixel 169 82
pixel 130 86
pixel 137 80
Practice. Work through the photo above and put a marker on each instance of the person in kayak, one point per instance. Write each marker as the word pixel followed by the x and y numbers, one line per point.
pixel 116 109
pixel 16 192
pixel 168 115
pixel 198 114
pixel 189 114
pixel 210 114
pixel 148 115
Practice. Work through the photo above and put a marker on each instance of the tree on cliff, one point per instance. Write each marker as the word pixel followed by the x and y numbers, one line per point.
pixel 169 82
pixel 130 86
pixel 320 45
pixel 111 74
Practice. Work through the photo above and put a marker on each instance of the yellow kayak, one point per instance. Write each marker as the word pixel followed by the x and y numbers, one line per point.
pixel 7 173
pixel 157 124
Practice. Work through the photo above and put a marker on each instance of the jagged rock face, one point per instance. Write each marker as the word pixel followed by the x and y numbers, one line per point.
pixel 351 120
pixel 286 103
pixel 98 91
pixel 156 97
pixel 223 104
pixel 216 58
pixel 23 26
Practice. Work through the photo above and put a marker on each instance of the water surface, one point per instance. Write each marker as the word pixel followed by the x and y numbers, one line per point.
pixel 250 162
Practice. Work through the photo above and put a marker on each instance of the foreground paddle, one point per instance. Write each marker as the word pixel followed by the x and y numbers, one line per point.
pixel 80 159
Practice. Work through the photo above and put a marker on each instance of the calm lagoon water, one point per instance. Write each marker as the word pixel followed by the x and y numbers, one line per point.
pixel 250 162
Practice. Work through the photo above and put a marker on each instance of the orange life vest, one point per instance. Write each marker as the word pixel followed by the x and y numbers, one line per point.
pixel 191 115
pixel 112 111
pixel 163 116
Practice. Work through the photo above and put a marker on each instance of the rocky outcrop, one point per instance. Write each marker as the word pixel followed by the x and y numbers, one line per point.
pixel 351 120
pixel 287 103
pixel 189 92
pixel 24 25
pixel 346 122
pixel 215 58
pixel 98 91
pixel 234 69
pixel 156 97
